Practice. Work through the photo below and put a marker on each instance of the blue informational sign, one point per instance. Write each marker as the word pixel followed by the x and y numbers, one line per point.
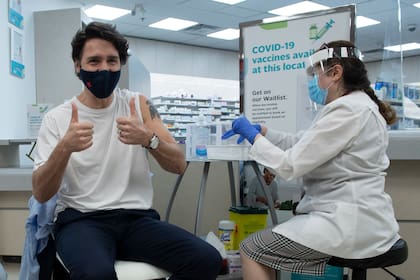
pixel 15 13
pixel 17 67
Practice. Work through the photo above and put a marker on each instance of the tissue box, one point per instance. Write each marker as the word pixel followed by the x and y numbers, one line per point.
pixel 248 220
pixel 234 262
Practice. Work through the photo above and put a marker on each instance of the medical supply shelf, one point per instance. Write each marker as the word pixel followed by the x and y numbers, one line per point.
pixel 405 119
pixel 401 100
pixel 404 135
pixel 176 112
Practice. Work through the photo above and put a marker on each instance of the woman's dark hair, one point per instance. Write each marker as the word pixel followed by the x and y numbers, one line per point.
pixel 355 78
pixel 102 31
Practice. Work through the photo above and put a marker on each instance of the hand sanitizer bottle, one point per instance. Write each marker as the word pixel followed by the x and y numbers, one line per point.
pixel 202 138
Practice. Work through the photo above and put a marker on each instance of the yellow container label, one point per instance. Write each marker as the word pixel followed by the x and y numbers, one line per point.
pixel 228 239
pixel 246 224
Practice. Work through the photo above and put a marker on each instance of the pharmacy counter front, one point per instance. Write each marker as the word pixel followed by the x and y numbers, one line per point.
pixel 15 190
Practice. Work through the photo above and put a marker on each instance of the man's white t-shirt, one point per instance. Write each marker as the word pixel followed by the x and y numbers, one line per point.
pixel 107 175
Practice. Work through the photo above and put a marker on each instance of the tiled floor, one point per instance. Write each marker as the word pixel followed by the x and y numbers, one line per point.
pixel 12 270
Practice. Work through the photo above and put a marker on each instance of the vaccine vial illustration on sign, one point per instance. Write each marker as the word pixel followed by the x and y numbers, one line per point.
pixel 315 34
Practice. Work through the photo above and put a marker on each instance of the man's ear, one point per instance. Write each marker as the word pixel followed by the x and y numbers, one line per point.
pixel 77 68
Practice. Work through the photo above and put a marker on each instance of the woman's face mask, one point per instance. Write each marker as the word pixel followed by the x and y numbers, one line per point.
pixel 317 94
pixel 100 83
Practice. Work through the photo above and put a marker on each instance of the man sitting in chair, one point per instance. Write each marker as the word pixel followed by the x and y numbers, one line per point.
pixel 256 197
pixel 92 151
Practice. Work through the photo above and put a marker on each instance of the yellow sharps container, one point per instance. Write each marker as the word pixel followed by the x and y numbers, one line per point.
pixel 248 220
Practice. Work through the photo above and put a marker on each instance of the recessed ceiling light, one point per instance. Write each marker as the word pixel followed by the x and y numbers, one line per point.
pixel 226 34
pixel 106 12
pixel 362 21
pixel 173 24
pixel 298 8
pixel 230 2
pixel 417 5
pixel 403 47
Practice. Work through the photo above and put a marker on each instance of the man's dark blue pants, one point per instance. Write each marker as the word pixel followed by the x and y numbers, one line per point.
pixel 89 243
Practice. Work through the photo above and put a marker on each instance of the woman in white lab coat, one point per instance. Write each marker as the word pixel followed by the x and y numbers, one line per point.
pixel 342 160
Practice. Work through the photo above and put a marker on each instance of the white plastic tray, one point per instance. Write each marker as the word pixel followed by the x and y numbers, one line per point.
pixel 228 152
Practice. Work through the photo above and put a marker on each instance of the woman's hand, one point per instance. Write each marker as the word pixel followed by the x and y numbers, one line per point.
pixel 245 129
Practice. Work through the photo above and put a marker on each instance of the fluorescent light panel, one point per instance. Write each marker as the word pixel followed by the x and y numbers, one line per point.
pixel 362 21
pixel 298 8
pixel 105 12
pixel 226 34
pixel 417 5
pixel 403 47
pixel 229 2
pixel 173 24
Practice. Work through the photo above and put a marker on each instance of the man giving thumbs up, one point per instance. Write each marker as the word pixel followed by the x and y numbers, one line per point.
pixel 92 152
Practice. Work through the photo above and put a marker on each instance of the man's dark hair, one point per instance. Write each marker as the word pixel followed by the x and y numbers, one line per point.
pixel 266 170
pixel 102 31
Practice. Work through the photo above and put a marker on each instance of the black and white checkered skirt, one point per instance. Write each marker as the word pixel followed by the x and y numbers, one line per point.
pixel 280 253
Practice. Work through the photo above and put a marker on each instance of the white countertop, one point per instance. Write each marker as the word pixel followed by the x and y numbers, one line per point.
pixel 404 144
pixel 20 141
pixel 16 179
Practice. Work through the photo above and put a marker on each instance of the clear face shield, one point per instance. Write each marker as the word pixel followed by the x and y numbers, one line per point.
pixel 318 66
pixel 318 59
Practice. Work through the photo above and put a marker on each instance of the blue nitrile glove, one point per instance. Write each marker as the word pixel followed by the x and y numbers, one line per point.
pixel 244 128
pixel 242 138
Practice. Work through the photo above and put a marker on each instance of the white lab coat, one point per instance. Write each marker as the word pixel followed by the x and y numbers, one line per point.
pixel 342 158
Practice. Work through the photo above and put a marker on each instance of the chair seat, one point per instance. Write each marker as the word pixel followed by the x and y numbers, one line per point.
pixel 394 256
pixel 127 270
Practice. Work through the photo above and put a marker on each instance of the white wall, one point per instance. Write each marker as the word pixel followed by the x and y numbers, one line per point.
pixel 177 59
pixel 176 68
pixel 198 87
pixel 16 93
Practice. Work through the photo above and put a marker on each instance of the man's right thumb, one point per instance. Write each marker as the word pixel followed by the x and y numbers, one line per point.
pixel 74 113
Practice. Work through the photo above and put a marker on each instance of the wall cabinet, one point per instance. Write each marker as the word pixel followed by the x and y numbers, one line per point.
pixel 12 231
pixel 55 77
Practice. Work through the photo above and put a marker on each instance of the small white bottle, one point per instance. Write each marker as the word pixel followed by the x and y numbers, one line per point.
pixel 201 138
